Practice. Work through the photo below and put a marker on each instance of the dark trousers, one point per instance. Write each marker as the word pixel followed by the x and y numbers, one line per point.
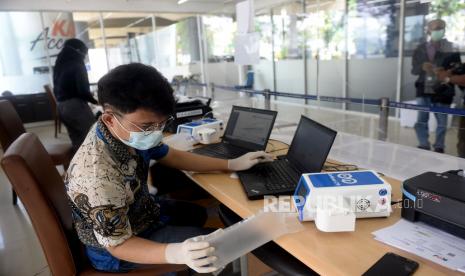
pixel 183 220
pixel 77 117
pixel 175 183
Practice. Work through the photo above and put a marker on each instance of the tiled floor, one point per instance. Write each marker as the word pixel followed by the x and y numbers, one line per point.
pixel 21 254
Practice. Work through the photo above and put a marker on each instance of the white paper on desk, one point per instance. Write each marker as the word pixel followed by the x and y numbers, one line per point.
pixel 425 241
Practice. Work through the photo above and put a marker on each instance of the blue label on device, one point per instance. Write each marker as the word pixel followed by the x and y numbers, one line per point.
pixel 200 122
pixel 344 179
pixel 209 120
pixel 194 124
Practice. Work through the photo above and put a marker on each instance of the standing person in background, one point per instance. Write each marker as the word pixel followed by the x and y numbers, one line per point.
pixel 456 77
pixel 428 57
pixel 72 91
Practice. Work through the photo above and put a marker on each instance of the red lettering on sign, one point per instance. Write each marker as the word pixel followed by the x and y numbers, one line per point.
pixel 58 28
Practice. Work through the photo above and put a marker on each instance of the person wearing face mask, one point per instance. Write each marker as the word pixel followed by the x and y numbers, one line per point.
pixel 121 225
pixel 456 76
pixel 72 91
pixel 427 58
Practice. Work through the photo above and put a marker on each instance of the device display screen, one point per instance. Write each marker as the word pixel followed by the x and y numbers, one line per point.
pixel 311 145
pixel 252 127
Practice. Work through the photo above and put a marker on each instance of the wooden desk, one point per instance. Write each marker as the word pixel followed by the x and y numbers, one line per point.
pixel 346 253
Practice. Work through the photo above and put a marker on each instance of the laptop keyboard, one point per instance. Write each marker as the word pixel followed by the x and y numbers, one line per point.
pixel 221 150
pixel 278 174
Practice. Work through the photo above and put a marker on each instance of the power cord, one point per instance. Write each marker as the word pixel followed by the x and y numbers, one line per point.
pixel 277 149
pixel 332 167
pixel 335 167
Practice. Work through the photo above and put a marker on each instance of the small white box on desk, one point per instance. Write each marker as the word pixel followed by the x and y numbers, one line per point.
pixel 333 200
pixel 194 127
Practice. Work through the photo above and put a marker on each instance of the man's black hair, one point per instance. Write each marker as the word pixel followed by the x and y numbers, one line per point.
pixel 132 86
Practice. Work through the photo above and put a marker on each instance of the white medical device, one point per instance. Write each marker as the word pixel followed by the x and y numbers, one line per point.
pixel 333 200
pixel 197 130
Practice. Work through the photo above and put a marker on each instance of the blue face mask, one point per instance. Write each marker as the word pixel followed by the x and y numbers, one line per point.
pixel 140 140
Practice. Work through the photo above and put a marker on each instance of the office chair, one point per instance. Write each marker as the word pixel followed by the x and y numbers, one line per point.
pixel 11 127
pixel 33 175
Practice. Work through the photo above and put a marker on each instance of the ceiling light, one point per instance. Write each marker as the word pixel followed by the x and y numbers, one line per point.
pixel 182 1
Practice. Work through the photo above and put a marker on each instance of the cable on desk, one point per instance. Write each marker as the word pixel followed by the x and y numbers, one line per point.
pixel 274 150
pixel 340 168
pixel 336 167
pixel 279 149
pixel 279 141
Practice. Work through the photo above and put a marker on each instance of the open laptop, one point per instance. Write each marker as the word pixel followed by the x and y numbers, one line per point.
pixel 248 129
pixel 307 154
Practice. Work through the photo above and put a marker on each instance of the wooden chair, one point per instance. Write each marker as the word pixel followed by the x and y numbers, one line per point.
pixel 41 189
pixel 54 107
pixel 11 127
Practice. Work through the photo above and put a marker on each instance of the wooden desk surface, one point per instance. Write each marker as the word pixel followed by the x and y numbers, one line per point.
pixel 345 253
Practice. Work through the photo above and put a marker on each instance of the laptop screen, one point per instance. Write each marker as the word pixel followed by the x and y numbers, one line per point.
pixel 310 146
pixel 249 127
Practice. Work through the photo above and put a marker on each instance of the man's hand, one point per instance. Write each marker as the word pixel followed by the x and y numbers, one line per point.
pixel 427 67
pixel 196 255
pixel 249 160
pixel 442 74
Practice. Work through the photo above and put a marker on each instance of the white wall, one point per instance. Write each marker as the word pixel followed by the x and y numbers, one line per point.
pixel 29 84
pixel 290 78
pixel 372 79
pixel 263 78
pixel 225 73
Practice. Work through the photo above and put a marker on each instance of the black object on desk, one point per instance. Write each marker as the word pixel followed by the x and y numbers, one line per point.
pixel 248 129
pixel 307 154
pixel 189 111
pixel 437 199
pixel 392 265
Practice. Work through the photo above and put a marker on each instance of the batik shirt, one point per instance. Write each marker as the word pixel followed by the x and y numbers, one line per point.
pixel 107 189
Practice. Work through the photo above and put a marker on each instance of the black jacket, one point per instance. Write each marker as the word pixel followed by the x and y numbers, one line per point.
pixel 71 81
pixel 446 56
pixel 70 75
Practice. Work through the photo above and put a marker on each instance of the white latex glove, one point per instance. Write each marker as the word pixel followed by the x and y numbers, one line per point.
pixel 196 255
pixel 249 160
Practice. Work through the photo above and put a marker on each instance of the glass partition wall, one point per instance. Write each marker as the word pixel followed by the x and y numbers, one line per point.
pixel 337 48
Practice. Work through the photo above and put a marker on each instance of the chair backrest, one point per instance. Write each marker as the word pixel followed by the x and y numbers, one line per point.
pixel 11 126
pixel 51 98
pixel 41 189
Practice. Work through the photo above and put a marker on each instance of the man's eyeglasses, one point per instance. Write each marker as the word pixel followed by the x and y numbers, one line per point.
pixel 151 128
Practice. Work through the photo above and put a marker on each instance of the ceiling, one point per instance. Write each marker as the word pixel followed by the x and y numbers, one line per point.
pixel 156 6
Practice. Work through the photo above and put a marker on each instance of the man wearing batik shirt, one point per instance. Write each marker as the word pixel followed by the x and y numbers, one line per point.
pixel 121 225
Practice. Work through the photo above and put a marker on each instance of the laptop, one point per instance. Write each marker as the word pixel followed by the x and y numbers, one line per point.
pixel 307 154
pixel 248 129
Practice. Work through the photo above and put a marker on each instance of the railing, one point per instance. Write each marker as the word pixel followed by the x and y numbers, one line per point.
pixel 384 104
